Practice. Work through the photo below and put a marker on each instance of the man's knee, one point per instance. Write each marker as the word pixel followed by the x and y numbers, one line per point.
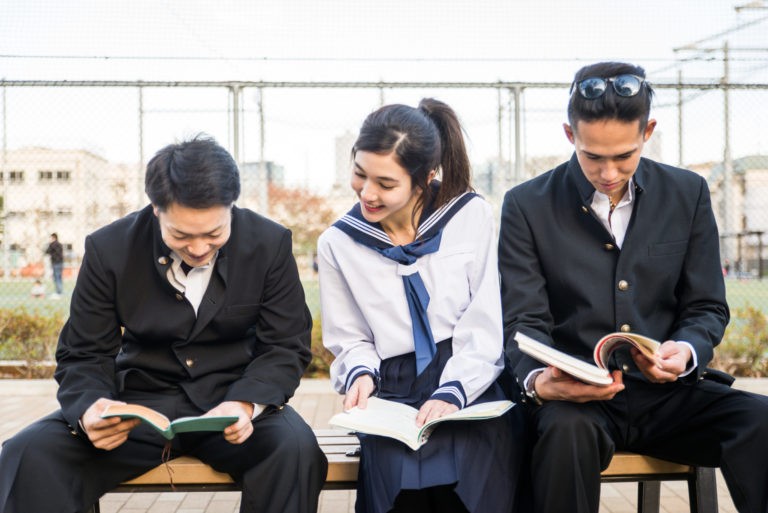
pixel 298 443
pixel 45 438
pixel 564 426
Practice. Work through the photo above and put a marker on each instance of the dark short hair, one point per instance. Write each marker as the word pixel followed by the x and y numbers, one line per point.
pixel 197 173
pixel 610 105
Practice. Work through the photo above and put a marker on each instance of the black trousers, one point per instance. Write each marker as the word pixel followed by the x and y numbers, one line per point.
pixel 435 499
pixel 704 423
pixel 47 469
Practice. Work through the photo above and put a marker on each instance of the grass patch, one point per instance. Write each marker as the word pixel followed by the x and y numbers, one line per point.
pixel 29 326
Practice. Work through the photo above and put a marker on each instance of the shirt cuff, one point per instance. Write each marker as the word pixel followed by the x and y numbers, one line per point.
pixel 531 375
pixel 694 360
pixel 358 371
pixel 451 392
pixel 257 409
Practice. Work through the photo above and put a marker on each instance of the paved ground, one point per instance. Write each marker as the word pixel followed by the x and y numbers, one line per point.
pixel 22 401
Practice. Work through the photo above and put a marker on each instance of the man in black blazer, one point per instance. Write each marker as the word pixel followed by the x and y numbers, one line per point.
pixel 190 306
pixel 610 241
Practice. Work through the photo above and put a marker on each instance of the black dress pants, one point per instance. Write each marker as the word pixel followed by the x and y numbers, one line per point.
pixel 435 499
pixel 47 469
pixel 704 423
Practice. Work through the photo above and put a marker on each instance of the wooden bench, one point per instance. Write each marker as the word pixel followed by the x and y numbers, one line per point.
pixel 189 474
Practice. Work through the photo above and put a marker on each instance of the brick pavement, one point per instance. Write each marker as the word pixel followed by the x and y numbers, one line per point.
pixel 22 401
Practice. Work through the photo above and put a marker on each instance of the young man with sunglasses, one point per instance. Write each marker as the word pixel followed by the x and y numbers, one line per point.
pixel 611 241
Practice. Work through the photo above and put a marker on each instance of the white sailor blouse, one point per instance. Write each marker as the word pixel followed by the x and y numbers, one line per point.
pixel 365 311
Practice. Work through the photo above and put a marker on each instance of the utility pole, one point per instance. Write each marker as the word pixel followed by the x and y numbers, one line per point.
pixel 727 159
pixel 263 178
pixel 5 177
pixel 140 170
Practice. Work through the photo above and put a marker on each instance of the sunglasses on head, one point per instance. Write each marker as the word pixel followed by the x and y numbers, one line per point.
pixel 594 87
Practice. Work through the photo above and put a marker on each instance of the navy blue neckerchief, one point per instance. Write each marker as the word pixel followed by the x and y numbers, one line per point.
pixel 427 241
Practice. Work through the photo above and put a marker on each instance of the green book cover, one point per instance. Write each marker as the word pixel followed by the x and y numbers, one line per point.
pixel 163 424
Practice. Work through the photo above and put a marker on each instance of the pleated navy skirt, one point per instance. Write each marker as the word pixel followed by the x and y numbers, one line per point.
pixel 482 458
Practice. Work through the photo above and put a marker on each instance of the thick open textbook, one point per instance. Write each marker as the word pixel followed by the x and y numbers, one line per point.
pixel 595 374
pixel 163 424
pixel 398 421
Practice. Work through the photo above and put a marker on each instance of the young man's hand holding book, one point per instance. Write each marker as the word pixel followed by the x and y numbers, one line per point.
pixel 670 361
pixel 554 384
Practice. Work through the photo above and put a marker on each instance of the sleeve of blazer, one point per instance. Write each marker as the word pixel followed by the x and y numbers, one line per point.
pixel 89 340
pixel 283 332
pixel 525 303
pixel 703 311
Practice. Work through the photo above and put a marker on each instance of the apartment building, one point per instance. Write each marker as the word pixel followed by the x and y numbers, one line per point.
pixel 68 191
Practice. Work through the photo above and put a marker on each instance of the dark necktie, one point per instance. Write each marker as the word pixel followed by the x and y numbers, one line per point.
pixel 185 267
pixel 417 295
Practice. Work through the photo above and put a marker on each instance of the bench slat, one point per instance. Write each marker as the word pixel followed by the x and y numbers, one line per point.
pixel 341 468
pixel 185 470
pixel 625 463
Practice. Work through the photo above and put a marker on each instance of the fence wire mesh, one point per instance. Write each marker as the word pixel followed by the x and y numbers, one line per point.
pixel 73 156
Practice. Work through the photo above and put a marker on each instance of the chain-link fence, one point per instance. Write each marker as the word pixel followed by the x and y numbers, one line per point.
pixel 73 153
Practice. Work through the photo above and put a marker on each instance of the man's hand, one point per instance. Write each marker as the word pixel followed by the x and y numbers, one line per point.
pixel 554 384
pixel 108 433
pixel 359 392
pixel 668 363
pixel 238 432
pixel 434 409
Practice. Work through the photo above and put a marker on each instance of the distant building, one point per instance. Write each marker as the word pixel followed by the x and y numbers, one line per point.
pixel 492 179
pixel 344 144
pixel 68 191
pixel 742 209
pixel 253 186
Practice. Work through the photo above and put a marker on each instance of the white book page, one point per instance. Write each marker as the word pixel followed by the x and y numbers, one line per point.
pixel 577 368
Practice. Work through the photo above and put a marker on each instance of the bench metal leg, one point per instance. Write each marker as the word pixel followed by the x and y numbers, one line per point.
pixel 702 491
pixel 648 496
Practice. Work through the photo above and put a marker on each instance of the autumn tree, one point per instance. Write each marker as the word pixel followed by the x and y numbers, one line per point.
pixel 304 213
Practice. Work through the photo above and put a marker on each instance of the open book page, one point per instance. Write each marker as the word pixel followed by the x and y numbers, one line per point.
pixel 132 411
pixel 165 426
pixel 395 420
pixel 579 369
pixel 609 343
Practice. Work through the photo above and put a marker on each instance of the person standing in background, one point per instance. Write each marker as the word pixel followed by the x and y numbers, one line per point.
pixel 56 251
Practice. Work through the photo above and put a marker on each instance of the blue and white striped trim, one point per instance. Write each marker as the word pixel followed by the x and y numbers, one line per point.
pixel 358 371
pixel 439 213
pixel 451 392
pixel 371 234
pixel 366 228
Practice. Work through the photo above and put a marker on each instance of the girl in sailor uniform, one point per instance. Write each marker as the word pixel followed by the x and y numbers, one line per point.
pixel 411 309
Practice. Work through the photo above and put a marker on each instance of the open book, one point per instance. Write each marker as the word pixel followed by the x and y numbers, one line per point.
pixel 595 374
pixel 398 421
pixel 163 424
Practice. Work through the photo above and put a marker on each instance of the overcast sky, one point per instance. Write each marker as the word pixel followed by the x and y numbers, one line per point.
pixel 526 40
